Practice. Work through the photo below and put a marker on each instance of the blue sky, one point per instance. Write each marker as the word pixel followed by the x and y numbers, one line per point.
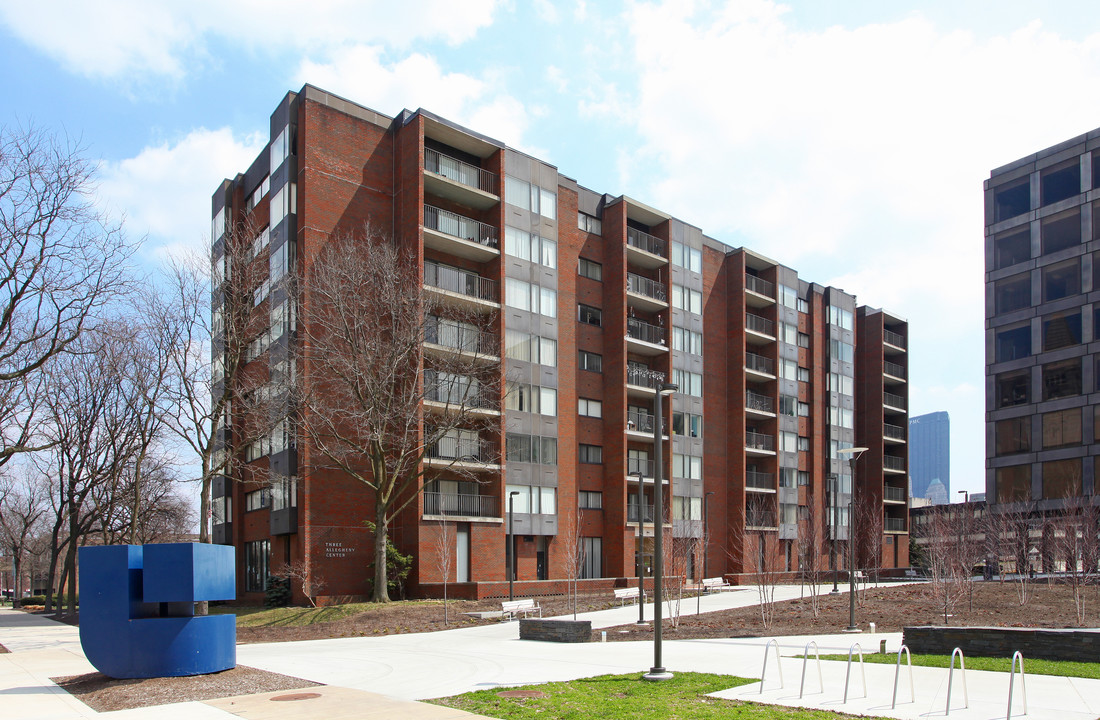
pixel 848 140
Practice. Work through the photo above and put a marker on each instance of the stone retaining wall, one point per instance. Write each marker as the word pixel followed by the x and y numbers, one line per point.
pixel 1078 645
pixel 567 631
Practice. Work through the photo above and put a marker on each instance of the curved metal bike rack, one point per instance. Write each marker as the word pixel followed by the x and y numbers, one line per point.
pixel 950 674
pixel 1012 678
pixel 806 659
pixel 897 671
pixel 778 664
pixel 848 672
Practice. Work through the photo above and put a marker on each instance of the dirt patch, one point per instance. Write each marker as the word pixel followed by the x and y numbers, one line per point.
pixel 890 608
pixel 3 649
pixel 104 694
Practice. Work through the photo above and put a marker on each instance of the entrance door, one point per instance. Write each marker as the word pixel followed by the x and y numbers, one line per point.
pixel 541 566
pixel 462 554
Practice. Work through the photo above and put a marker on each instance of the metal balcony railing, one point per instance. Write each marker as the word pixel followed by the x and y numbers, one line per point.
pixel 645 241
pixel 759 363
pixel 461 172
pixel 632 513
pixel 894 401
pixel 893 493
pixel 893 432
pixel 437 503
pixel 640 330
pixel 760 480
pixel 461 338
pixel 760 403
pixel 895 524
pixel 459 226
pixel 891 462
pixel 760 286
pixel 644 377
pixel 760 325
pixel 639 465
pixel 457 393
pixel 639 421
pixel 475 450
pixel 462 282
pixel 644 286
pixel 895 339
pixel 759 441
pixel 760 518
pixel 894 369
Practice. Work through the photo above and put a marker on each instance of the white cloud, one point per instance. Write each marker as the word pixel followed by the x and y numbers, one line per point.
pixel 418 81
pixel 134 39
pixel 164 191
pixel 546 11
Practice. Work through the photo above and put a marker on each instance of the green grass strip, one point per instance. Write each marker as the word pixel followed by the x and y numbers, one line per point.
pixel 615 697
pixel 1032 666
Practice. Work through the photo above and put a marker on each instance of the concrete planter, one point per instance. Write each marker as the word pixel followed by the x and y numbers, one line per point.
pixel 566 631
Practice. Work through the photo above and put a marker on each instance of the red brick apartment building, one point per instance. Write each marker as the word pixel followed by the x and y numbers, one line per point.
pixel 774 373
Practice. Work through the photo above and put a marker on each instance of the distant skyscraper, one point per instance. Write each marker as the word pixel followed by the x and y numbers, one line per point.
pixel 930 455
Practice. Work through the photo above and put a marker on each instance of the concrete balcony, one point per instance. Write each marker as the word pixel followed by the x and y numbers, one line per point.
pixel 645 294
pixel 461 288
pixel 759 292
pixel 645 250
pixel 458 235
pixel 758 330
pixel 459 181
pixel 643 338
pixel 759 444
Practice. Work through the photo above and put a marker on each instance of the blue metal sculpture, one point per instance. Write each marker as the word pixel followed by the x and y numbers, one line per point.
pixel 137 615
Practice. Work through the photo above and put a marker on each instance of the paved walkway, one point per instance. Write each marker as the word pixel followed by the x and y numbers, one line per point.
pixel 384 676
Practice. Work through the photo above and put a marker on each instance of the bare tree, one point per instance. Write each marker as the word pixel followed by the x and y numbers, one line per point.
pixel 758 556
pixel 366 378
pixel 22 512
pixel 1076 539
pixel 309 583
pixel 444 558
pixel 811 557
pixel 63 262
pixel 573 547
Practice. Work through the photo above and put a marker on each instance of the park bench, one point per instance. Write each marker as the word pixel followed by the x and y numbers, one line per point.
pixel 716 584
pixel 624 594
pixel 526 605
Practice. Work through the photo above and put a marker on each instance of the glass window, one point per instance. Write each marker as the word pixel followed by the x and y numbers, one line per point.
pixel 1059 183
pixel 1011 199
pixel 1013 435
pixel 1013 483
pixel 217 227
pixel 1014 344
pixel 1062 479
pixel 687 257
pixel 592 557
pixel 589 315
pixel 587 407
pixel 279 149
pixel 1012 247
pixel 548 203
pixel 590 454
pixel 840 317
pixel 590 361
pixel 1061 330
pixel 1013 293
pixel 1062 428
pixel 517 192
pixel 590 500
pixel 1062 280
pixel 589 269
pixel 257 556
pixel 687 341
pixel 1062 379
pixel 803 306
pixel 689 383
pixel 1013 388
pixel 589 224
pixel 1061 231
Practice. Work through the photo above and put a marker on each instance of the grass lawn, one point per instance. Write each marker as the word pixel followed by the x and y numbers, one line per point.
pixel 1032 666
pixel 628 696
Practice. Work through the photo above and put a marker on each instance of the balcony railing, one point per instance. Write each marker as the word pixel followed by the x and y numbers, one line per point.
pixel 639 465
pixel 760 518
pixel 895 339
pixel 895 524
pixel 759 441
pixel 437 503
pixel 460 337
pixel 459 226
pixel 641 330
pixel 760 480
pixel 760 403
pixel 644 377
pixel 760 286
pixel 894 401
pixel 632 513
pixel 645 241
pixel 644 286
pixel 760 325
pixel 893 493
pixel 893 432
pixel 894 369
pixel 639 421
pixel 759 363
pixel 461 172
pixel 459 395
pixel 475 450
pixel 462 282
pixel 891 462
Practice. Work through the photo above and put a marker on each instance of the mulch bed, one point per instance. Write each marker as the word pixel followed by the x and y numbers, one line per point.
pixel 104 694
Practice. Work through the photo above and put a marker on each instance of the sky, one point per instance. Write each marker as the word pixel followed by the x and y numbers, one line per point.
pixel 848 140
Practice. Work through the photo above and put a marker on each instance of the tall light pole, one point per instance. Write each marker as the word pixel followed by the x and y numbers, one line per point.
pixel 658 672
pixel 641 545
pixel 511 544
pixel 853 454
pixel 966 495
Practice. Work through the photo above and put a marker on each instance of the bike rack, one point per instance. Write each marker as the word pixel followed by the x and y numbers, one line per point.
pixel 897 671
pixel 778 664
pixel 950 674
pixel 848 672
pixel 1012 678
pixel 806 659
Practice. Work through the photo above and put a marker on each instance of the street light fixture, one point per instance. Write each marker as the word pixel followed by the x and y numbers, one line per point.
pixel 658 672
pixel 966 495
pixel 641 547
pixel 511 544
pixel 853 454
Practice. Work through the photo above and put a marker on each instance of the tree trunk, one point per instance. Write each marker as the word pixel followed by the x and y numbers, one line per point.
pixel 381 592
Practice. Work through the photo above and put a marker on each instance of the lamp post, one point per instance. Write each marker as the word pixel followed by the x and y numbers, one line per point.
pixel 832 542
pixel 658 672
pixel 511 544
pixel 966 495
pixel 641 542
pixel 853 454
